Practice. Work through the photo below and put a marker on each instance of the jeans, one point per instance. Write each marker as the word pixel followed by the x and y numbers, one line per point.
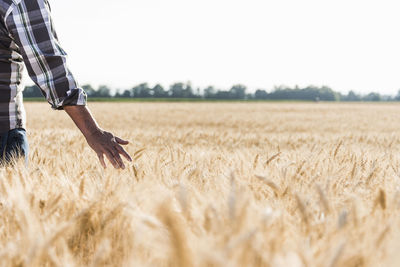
pixel 13 144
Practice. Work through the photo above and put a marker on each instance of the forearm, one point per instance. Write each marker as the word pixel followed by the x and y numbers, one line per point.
pixel 102 142
pixel 83 119
pixel 46 64
pixel 42 54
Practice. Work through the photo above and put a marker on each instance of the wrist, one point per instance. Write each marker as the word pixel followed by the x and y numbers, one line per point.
pixel 84 120
pixel 93 131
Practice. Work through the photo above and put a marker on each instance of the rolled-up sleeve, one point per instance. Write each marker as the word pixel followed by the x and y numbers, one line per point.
pixel 30 26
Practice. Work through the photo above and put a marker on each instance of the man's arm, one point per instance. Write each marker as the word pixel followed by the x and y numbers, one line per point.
pixel 30 26
pixel 102 142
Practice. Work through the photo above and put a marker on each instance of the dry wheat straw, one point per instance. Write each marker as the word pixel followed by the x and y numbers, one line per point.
pixel 333 170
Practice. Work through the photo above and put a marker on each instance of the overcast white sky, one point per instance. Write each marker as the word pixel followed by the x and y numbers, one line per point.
pixel 345 44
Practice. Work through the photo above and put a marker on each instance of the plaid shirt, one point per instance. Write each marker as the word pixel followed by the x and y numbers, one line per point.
pixel 28 38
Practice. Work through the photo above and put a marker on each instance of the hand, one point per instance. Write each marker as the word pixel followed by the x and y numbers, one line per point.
pixel 103 142
pixel 100 141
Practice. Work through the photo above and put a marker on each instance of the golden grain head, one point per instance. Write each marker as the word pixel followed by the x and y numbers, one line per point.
pixel 212 184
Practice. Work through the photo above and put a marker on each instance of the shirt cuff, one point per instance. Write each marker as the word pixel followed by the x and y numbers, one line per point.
pixel 77 97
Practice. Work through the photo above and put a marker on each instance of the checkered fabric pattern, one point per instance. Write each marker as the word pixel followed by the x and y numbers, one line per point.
pixel 28 38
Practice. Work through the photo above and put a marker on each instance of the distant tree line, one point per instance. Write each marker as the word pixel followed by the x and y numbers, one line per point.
pixel 236 92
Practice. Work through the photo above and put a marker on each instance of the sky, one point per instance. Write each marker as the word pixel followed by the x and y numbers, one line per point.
pixel 344 44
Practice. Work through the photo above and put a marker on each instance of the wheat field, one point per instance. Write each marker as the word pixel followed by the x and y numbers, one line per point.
pixel 212 184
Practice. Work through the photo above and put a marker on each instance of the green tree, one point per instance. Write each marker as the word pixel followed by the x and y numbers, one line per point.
pixel 103 91
pixel 238 91
pixel 126 94
pixel 177 90
pixel 261 94
pixel 223 95
pixel 32 91
pixel 397 97
pixel 158 91
pixel 188 91
pixel 89 90
pixel 141 90
pixel 351 96
pixel 209 92
pixel 372 97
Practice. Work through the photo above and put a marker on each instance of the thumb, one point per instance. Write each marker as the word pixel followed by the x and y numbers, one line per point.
pixel 120 141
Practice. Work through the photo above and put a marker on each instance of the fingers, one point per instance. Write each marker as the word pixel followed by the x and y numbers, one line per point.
pixel 113 157
pixel 122 151
pixel 110 157
pixel 110 146
pixel 117 158
pixel 120 141
pixel 102 162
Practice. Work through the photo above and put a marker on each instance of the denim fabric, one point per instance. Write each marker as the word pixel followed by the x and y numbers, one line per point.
pixel 13 143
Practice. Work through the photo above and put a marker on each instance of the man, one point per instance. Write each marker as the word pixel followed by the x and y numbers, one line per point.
pixel 27 37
